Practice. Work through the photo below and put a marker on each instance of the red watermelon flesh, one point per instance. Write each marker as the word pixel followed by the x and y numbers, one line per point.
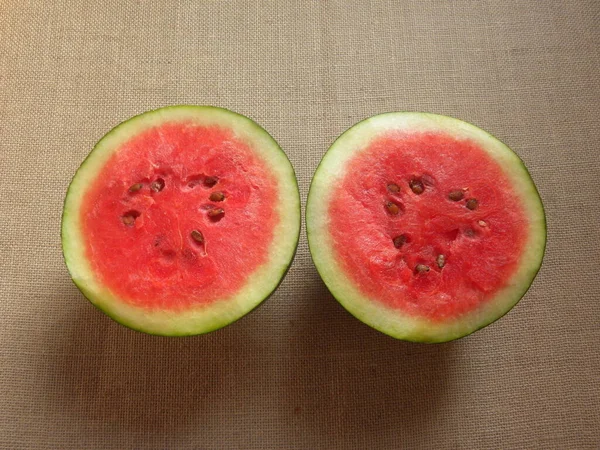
pixel 155 262
pixel 424 227
pixel 432 223
pixel 181 220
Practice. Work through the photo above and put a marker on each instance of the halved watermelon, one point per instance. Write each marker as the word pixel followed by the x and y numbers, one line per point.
pixel 424 227
pixel 181 220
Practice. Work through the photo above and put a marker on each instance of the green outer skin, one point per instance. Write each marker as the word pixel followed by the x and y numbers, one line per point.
pixel 221 312
pixel 368 310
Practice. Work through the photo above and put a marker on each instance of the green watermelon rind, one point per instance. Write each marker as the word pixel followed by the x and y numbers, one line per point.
pixel 370 311
pixel 220 313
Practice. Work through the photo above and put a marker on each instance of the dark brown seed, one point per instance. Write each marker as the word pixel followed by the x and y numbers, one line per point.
pixel 421 268
pixel 472 204
pixel 399 241
pixel 393 188
pixel 128 220
pixel 197 236
pixel 217 197
pixel 135 187
pixel 215 212
pixel 210 181
pixel 392 208
pixel 456 196
pixel 158 185
pixel 416 186
pixel 441 261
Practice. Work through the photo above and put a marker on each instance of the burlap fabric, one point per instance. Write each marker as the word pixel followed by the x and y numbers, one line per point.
pixel 300 373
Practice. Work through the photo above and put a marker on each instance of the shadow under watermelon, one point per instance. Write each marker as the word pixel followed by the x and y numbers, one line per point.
pixel 299 369
pixel 360 388
pixel 119 381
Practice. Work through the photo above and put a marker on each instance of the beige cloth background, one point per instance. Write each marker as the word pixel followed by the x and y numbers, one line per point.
pixel 300 373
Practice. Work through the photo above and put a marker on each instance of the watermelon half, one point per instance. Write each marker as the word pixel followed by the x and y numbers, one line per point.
pixel 181 220
pixel 424 227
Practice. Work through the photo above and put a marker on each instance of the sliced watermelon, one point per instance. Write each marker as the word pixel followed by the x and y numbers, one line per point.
pixel 424 227
pixel 181 220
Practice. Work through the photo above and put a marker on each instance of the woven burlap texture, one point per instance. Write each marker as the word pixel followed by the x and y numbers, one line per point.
pixel 300 372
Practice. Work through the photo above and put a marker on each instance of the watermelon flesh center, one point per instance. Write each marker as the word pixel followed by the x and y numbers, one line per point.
pixel 418 250
pixel 181 215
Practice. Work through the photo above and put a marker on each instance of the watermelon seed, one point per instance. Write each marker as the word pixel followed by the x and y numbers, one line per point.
pixel 197 236
pixel 129 217
pixel 469 232
pixel 217 197
pixel 158 185
pixel 456 195
pixel 441 261
pixel 135 187
pixel 421 268
pixel 210 181
pixel 392 208
pixel 482 223
pixel 416 186
pixel 216 212
pixel 393 188
pixel 472 204
pixel 128 220
pixel 399 241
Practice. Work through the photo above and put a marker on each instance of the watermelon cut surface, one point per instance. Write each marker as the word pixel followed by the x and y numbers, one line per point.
pixel 424 227
pixel 181 220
